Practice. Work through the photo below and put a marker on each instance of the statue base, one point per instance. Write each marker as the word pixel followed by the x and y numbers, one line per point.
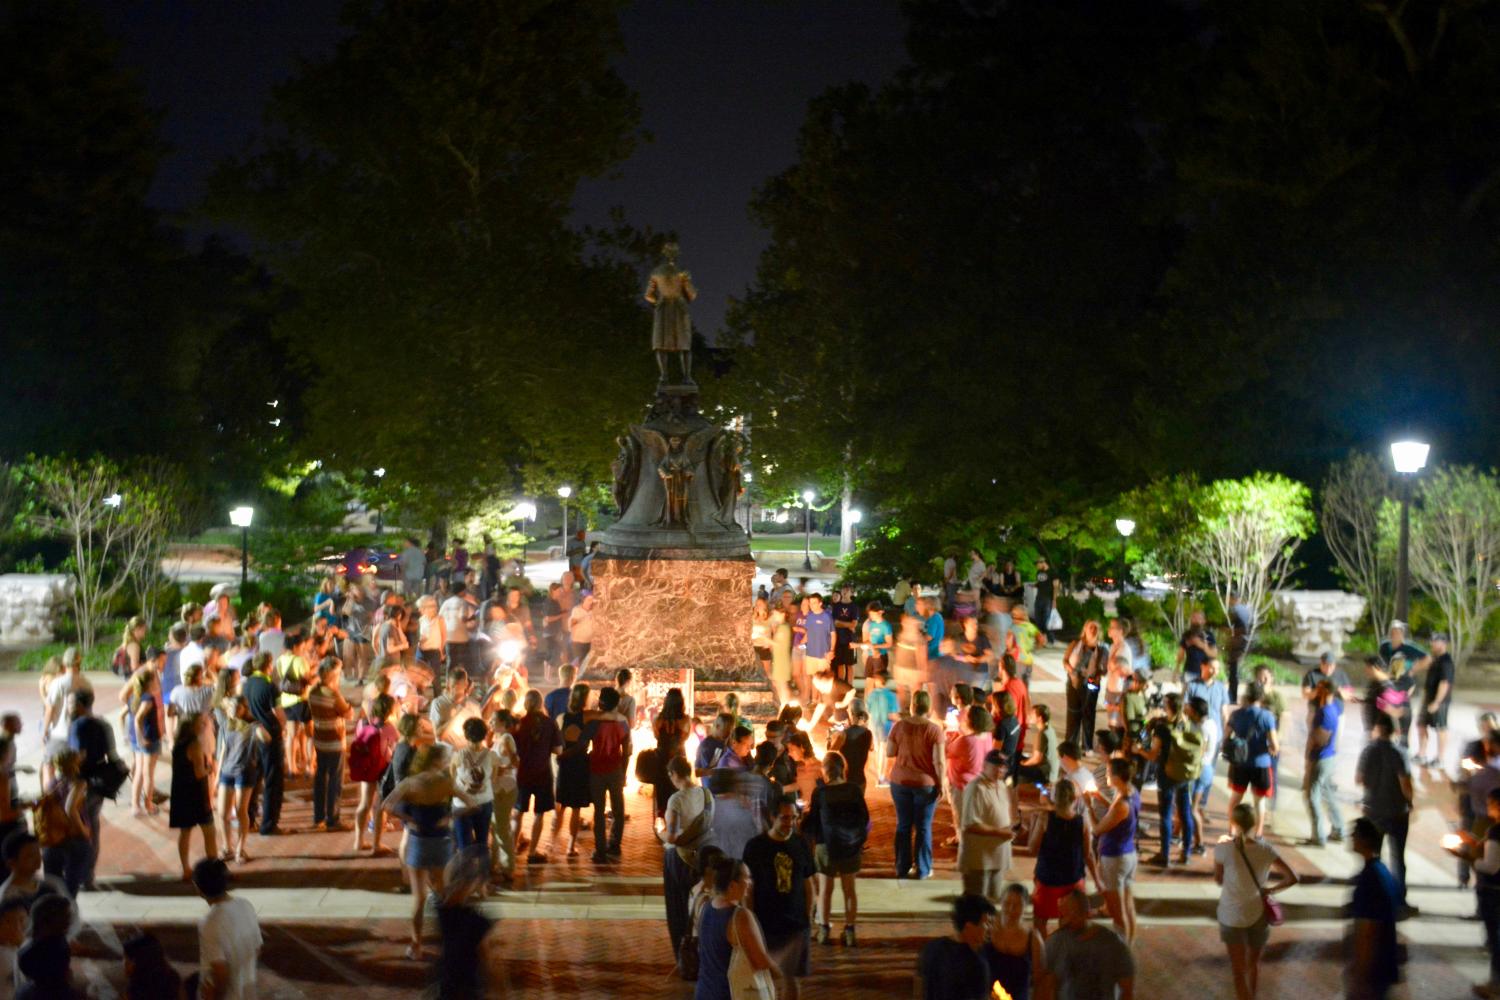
pixel 674 609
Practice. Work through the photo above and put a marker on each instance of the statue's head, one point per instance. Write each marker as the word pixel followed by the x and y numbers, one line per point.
pixel 669 251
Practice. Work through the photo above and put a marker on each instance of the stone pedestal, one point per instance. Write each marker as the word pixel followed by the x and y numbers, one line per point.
pixel 1319 620
pixel 674 612
pixel 30 604
pixel 673 577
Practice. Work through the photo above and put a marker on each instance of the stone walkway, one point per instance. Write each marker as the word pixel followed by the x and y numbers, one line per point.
pixel 335 924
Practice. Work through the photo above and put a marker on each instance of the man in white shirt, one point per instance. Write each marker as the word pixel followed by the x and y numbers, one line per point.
pixel 229 938
pixel 413 563
pixel 458 614
pixel 985 833
pixel 56 721
pixel 193 653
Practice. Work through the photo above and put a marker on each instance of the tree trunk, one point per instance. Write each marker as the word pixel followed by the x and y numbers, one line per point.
pixel 846 527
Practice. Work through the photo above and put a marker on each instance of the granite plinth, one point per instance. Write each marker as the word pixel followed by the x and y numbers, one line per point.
pixel 673 612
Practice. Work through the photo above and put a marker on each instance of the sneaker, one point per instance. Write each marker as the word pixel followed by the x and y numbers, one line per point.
pixel 600 859
pixel 848 938
pixel 1199 850
pixel 824 933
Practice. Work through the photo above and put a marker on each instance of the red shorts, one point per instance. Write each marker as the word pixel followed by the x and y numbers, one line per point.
pixel 1243 776
pixel 1046 897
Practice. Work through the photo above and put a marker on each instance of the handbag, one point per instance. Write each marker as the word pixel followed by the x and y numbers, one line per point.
pixel 1275 914
pixel 687 951
pixel 1054 621
pixel 647 771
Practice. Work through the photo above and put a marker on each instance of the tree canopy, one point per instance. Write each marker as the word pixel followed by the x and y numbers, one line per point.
pixel 413 189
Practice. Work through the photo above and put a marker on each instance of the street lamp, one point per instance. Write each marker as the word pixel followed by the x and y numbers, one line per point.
pixel 749 504
pixel 563 492
pixel 855 516
pixel 526 511
pixel 380 511
pixel 114 501
pixel 1126 527
pixel 807 499
pixel 1408 457
pixel 241 517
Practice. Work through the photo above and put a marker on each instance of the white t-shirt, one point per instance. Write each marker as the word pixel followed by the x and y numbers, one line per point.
pixel 191 699
pixel 473 771
pixel 687 804
pixel 581 625
pixel 191 653
pixel 230 933
pixel 986 804
pixel 507 758
pixel 1239 902
pixel 57 699
pixel 455 612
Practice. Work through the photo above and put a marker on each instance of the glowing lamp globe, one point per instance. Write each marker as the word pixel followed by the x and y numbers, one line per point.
pixel 1409 457
pixel 1125 526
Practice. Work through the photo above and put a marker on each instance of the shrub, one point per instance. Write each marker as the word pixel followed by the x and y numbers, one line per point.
pixel 1162 647
pixel 1142 610
pixel 1269 642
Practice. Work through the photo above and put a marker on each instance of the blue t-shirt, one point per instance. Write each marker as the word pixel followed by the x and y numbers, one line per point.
pixel 707 751
pixel 556 702
pixel 880 632
pixel 934 628
pixel 1327 718
pixel 1254 725
pixel 819 626
pixel 1216 694
pixel 880 703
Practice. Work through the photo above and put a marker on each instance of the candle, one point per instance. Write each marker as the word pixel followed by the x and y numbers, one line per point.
pixel 1469 765
pixel 1451 841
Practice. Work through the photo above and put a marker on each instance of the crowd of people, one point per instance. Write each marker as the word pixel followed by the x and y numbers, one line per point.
pixel 429 696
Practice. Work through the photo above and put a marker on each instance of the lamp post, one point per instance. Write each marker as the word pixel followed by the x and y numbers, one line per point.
pixel 1126 527
pixel 855 516
pixel 1408 457
pixel 563 492
pixel 380 511
pixel 526 511
pixel 241 517
pixel 748 502
pixel 807 499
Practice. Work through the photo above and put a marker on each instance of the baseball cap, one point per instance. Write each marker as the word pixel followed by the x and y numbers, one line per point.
pixel 1440 637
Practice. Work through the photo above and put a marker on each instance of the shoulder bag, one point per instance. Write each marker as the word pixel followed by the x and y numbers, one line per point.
pixel 1275 914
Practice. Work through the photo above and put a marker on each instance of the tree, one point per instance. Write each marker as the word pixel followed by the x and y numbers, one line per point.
pixel 115 523
pixel 1357 517
pixel 1168 523
pixel 1455 549
pixel 414 191
pixel 1248 532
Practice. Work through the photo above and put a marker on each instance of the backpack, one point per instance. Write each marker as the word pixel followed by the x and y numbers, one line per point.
pixel 1236 749
pixel 471 776
pixel 1185 757
pixel 120 665
pixel 366 754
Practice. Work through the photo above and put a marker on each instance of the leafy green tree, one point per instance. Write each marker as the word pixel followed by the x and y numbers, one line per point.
pixel 1455 547
pixel 1247 536
pixel 413 189
pixel 1168 522
pixel 1358 515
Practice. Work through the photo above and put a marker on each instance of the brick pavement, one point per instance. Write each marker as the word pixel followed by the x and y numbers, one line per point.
pixel 335 924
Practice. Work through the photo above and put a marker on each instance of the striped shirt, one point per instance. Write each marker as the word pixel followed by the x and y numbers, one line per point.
pixel 329 710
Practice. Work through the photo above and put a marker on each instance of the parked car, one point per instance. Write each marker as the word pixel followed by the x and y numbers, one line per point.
pixel 365 563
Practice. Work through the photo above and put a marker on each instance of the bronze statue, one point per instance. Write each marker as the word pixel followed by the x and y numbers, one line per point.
pixel 670 290
pixel 676 458
pixel 626 468
pixel 724 472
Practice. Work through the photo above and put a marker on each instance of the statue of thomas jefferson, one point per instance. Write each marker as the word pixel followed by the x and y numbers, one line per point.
pixel 670 290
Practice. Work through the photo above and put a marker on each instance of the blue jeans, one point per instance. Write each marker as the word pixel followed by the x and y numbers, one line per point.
pixel 68 861
pixel 474 828
pixel 1322 803
pixel 1172 796
pixel 328 784
pixel 914 808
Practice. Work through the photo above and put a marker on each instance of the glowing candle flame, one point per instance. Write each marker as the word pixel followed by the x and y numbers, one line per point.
pixel 1451 841
pixel 999 992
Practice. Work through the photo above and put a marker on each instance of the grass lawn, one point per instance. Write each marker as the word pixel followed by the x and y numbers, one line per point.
pixel 828 545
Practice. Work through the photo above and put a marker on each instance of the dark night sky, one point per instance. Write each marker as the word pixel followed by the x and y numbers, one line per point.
pixel 723 86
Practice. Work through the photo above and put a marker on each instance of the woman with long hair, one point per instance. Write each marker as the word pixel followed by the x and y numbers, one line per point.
pixel 1120 668
pixel 425 803
pixel 1064 846
pixel 1116 828
pixel 191 804
pixel 573 765
pixel 760 634
pixel 239 735
pixel 390 643
pixel 800 750
pixel 781 619
pixel 671 728
pixel 965 753
pixel 1085 663
pixel 1014 950
pixel 915 747
pixel 1243 866
pixel 146 716
pixel 127 658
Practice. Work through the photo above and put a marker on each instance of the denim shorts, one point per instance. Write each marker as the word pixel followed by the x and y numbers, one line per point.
pixel 241 780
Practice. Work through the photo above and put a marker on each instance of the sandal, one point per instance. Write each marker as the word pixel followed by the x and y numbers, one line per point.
pixel 413 953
